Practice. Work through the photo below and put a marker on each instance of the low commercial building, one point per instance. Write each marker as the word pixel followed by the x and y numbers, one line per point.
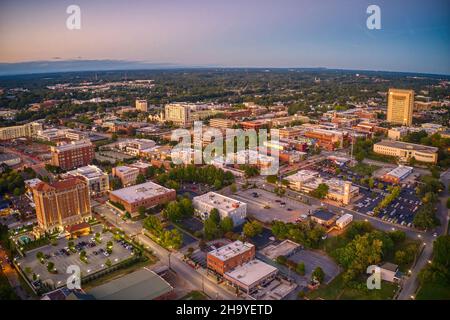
pixel 97 180
pixel 9 159
pixel 145 195
pixel 126 174
pixel 249 276
pixel 326 139
pixel 230 256
pixel 325 218
pixel 398 174
pixel 142 166
pixel 397 133
pixel 143 284
pixel 390 272
pixel 134 147
pixel 308 180
pixel 226 206
pixel 221 123
pixel 406 151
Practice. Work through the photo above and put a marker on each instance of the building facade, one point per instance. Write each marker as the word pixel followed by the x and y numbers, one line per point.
pixel 141 105
pixel 27 130
pixel 406 151
pixel 230 256
pixel 127 175
pixel 62 203
pixel 73 155
pixel 178 113
pixel 97 180
pixel 400 106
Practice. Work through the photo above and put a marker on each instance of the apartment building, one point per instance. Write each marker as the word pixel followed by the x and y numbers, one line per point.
pixel 27 130
pixel 73 155
pixel 178 113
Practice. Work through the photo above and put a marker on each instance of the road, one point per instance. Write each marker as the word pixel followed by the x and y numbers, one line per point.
pixel 411 284
pixel 183 270
pixel 13 277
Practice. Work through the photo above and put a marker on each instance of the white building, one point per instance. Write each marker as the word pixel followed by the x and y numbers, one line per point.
pixel 249 276
pixel 227 207
pixel 97 180
pixel 344 220
pixel 136 146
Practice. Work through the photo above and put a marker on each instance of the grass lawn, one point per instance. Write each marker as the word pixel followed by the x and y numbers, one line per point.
pixel 336 290
pixel 195 295
pixel 364 169
pixel 433 291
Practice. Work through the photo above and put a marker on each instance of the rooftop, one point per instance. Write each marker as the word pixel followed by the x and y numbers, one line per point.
pixel 140 191
pixel 400 171
pixel 72 145
pixel 140 285
pixel 231 250
pixel 407 145
pixel 251 272
pixel 323 215
pixel 219 201
pixel 89 172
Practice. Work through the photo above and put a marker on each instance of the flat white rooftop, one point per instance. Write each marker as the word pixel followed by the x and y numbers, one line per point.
pixel 141 191
pixel 73 145
pixel 221 202
pixel 89 172
pixel 125 169
pixel 400 171
pixel 251 272
pixel 231 250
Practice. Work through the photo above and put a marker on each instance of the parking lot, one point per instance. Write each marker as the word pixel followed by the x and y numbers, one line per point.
pixel 63 257
pixel 267 207
pixel 401 210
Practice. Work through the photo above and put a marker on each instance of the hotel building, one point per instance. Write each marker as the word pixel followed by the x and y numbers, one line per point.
pixel 62 203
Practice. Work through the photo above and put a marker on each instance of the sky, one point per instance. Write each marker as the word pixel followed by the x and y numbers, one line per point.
pixel 414 34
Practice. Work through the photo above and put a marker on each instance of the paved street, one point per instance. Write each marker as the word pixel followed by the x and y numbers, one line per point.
pixel 184 271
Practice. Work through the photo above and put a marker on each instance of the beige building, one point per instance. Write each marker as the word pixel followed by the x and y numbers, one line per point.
pixel 178 113
pixel 127 175
pixel 400 106
pixel 397 133
pixel 406 151
pixel 141 105
pixel 222 123
pixel 62 203
pixel 27 130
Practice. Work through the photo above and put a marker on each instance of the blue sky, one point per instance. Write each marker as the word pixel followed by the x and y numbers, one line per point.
pixel 415 35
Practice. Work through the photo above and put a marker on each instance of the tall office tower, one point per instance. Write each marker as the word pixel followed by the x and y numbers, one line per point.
pixel 141 105
pixel 178 113
pixel 62 203
pixel 400 106
pixel 73 155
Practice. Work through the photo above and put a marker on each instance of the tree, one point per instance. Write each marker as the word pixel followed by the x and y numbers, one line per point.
pixel 116 183
pixel 321 191
pixel 448 203
pixel 300 268
pixel 226 225
pixel 425 217
pixel 173 211
pixel 217 184
pixel 141 210
pixel 252 229
pixel 271 179
pixel 50 266
pixel 233 188
pixel 140 179
pixel 215 216
pixel 281 260
pixel 318 274
pixel 211 229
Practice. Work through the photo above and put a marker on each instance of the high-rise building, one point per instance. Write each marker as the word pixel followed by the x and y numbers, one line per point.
pixel 400 106
pixel 178 113
pixel 73 155
pixel 141 105
pixel 62 203
pixel 27 130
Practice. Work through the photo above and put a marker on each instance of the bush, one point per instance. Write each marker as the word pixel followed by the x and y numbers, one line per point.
pixel 281 260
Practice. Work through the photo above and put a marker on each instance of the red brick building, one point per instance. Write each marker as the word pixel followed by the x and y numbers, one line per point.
pixel 230 256
pixel 73 155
